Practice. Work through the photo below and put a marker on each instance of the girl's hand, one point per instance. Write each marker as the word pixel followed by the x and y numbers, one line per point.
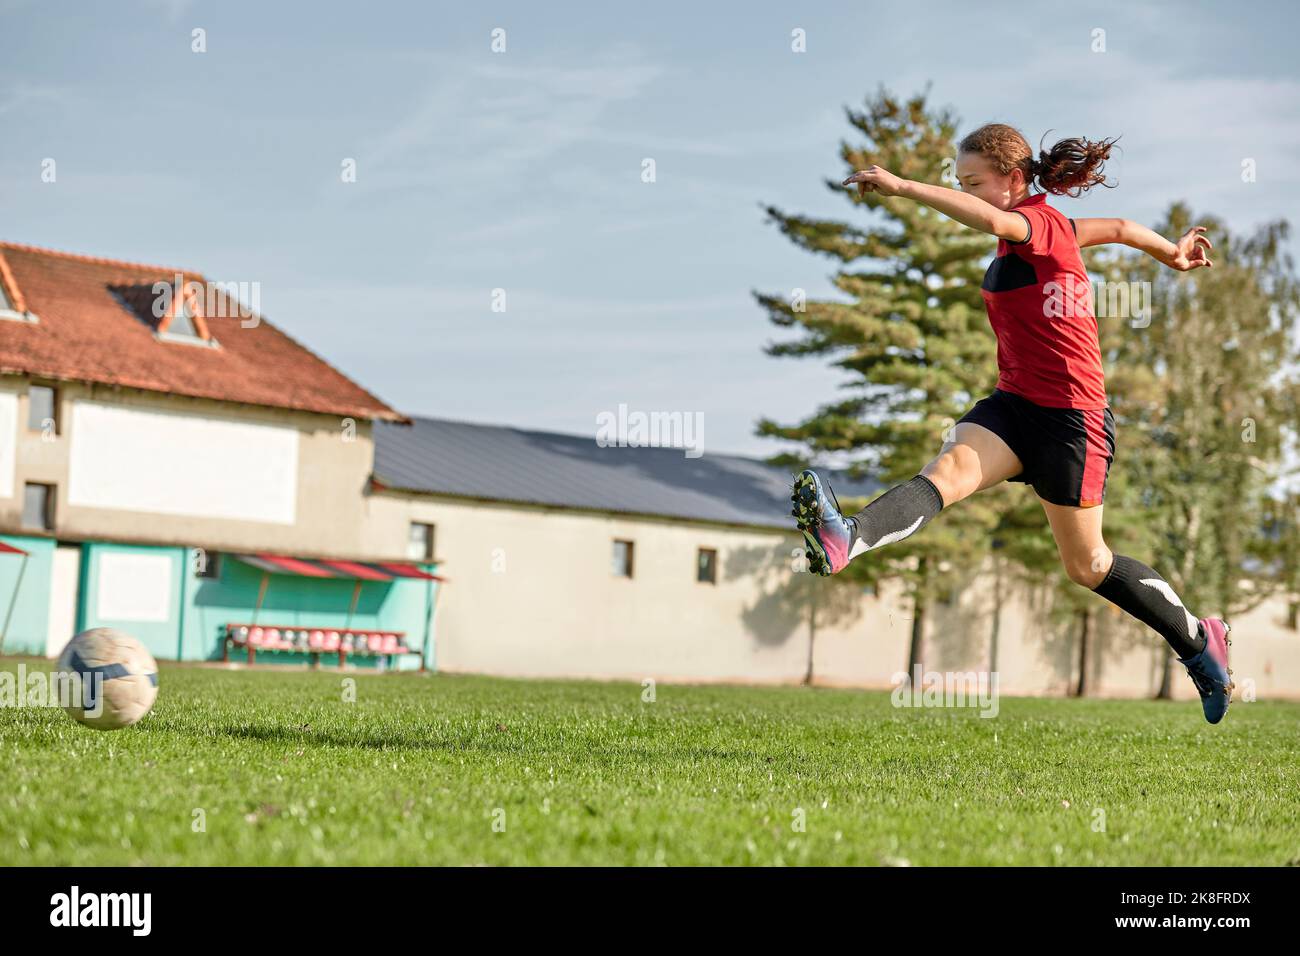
pixel 1191 251
pixel 875 179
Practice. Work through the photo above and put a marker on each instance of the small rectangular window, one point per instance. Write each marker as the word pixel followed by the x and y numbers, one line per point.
pixel 38 507
pixel 42 409
pixel 419 542
pixel 623 559
pixel 706 566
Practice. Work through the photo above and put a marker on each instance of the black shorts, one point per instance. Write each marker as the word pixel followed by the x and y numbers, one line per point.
pixel 1066 451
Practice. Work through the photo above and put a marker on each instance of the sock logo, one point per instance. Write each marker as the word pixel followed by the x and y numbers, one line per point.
pixel 1169 595
pixel 859 545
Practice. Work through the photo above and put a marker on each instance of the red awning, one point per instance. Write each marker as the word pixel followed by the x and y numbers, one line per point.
pixel 354 570
pixel 10 549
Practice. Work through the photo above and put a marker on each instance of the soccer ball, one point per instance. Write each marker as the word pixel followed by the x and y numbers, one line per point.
pixel 108 679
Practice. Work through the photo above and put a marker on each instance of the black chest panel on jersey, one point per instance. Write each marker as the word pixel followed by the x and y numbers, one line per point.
pixel 1008 272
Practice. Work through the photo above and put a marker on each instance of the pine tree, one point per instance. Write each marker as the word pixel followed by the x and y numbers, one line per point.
pixel 910 330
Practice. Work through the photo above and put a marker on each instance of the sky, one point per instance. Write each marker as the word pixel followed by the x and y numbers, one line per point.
pixel 521 169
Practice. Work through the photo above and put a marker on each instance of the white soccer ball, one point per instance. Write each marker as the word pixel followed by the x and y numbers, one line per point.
pixel 110 680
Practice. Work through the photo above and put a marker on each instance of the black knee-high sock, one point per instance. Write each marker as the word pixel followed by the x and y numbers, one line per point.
pixel 899 512
pixel 1135 588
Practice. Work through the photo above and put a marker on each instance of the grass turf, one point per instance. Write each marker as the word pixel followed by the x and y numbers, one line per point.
pixel 425 769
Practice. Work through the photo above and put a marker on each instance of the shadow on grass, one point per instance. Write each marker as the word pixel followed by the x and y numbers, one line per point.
pixel 291 735
pixel 480 744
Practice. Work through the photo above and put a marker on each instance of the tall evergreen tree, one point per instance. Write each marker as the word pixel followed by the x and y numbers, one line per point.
pixel 910 331
pixel 1199 391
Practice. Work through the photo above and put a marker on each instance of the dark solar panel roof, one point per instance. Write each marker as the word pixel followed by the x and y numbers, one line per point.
pixel 499 463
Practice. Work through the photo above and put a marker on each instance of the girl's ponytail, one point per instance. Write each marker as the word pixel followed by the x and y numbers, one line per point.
pixel 1072 166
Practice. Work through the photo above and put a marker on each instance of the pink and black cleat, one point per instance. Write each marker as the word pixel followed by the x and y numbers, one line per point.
pixel 1209 669
pixel 828 534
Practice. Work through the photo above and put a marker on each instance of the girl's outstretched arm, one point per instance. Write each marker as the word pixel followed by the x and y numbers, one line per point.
pixel 1189 252
pixel 963 207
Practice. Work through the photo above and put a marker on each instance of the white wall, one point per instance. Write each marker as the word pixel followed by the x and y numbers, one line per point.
pixel 134 586
pixel 143 467
pixel 531 593
pixel 65 574
pixel 160 462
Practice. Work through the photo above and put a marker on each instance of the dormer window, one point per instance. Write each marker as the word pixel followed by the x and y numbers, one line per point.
pixel 12 306
pixel 185 322
pixel 174 318
pixel 182 323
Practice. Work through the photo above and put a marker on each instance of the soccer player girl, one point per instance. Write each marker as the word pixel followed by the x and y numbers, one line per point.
pixel 1047 422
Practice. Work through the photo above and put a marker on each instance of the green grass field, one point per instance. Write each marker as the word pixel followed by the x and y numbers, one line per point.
pixel 419 768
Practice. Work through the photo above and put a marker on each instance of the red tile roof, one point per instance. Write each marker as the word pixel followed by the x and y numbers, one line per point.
pixel 94 324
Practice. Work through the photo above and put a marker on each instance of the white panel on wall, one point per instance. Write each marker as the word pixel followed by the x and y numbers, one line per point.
pixel 134 587
pixel 181 464
pixel 8 442
pixel 65 574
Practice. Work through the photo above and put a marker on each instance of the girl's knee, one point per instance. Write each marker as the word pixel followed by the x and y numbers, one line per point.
pixel 1089 568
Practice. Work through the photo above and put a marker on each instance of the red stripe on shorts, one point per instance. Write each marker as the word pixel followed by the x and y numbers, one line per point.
pixel 1094 458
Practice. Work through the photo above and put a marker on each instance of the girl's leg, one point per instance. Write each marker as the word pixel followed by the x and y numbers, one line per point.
pixel 973 459
pixel 1126 583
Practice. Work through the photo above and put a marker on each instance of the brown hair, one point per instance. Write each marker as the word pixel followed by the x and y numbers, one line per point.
pixel 1071 167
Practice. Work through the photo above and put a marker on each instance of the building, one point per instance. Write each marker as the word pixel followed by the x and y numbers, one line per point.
pixel 575 560
pixel 176 466
pixel 572 559
pixel 153 430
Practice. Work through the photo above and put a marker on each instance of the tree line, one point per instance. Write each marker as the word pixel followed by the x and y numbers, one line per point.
pixel 1200 373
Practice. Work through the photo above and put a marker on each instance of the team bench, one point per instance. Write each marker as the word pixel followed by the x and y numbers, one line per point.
pixel 316 641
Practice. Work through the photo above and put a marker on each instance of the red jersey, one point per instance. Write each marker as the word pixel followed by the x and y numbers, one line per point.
pixel 1039 301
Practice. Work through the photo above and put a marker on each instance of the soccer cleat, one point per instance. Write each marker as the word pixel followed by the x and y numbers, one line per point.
pixel 828 534
pixel 1209 669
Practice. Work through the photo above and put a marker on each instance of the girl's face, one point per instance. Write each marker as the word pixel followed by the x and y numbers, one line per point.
pixel 977 176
